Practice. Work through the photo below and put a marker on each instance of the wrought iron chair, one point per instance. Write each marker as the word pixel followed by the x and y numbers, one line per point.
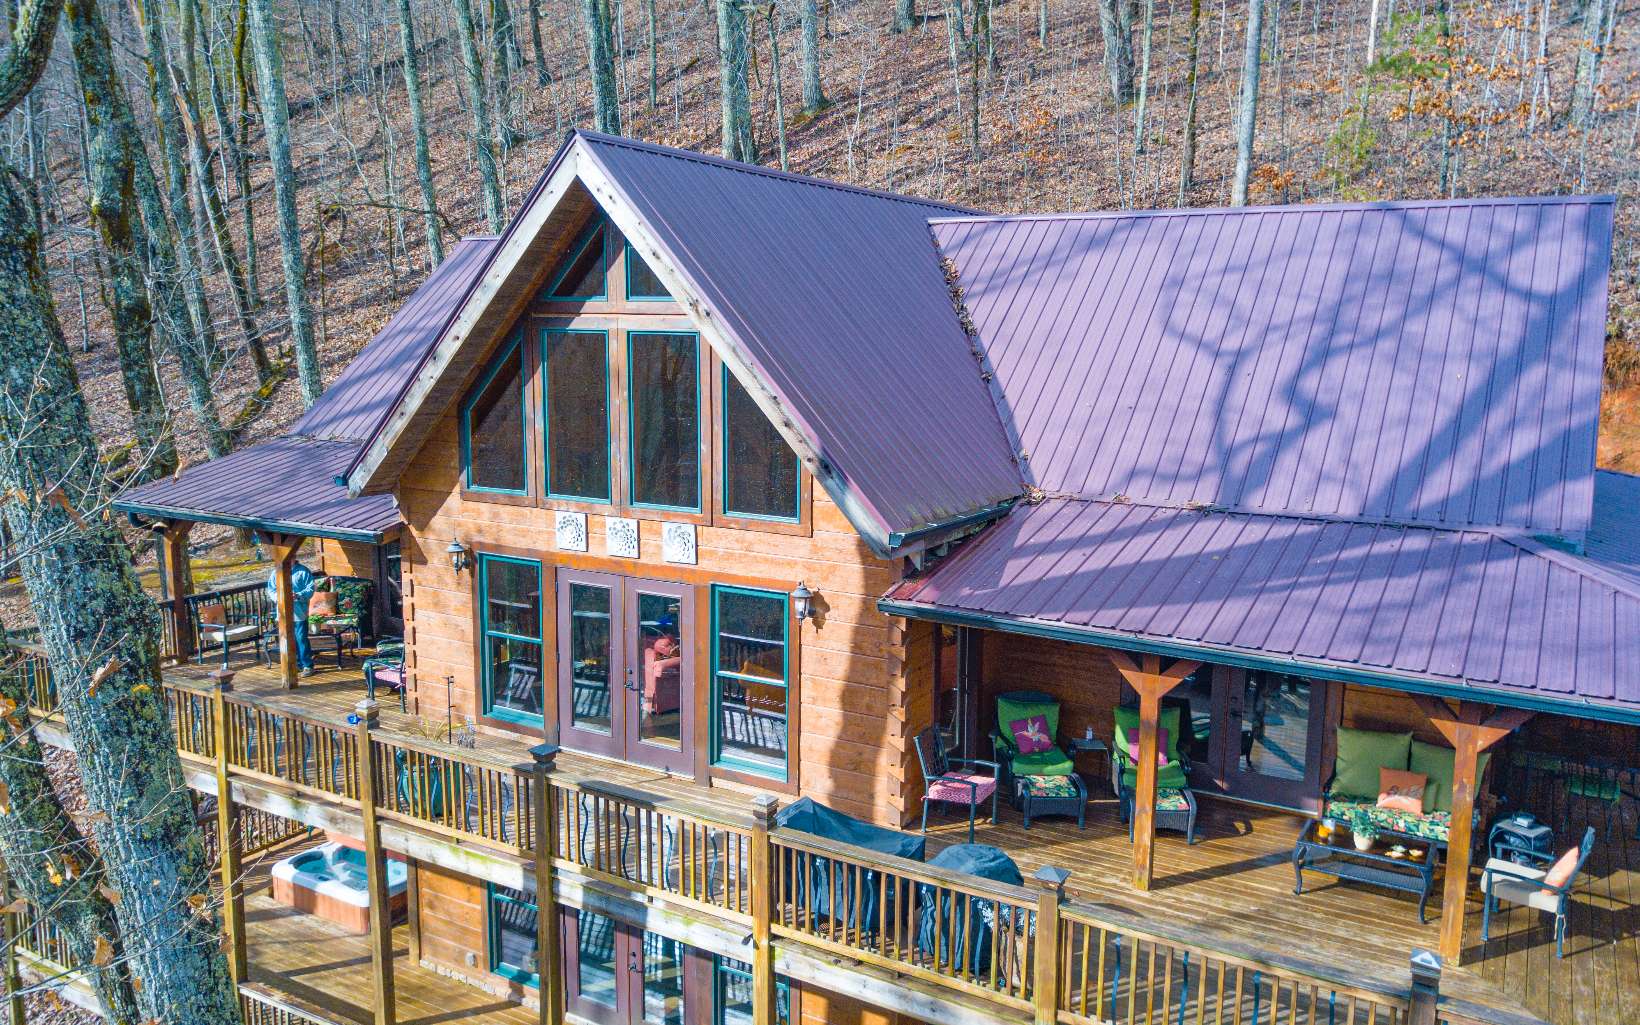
pixel 948 787
pixel 1525 884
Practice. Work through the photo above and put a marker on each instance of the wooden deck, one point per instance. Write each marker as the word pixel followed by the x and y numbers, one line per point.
pixel 1236 880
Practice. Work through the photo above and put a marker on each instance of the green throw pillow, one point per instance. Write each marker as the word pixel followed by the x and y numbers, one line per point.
pixel 1435 761
pixel 1361 753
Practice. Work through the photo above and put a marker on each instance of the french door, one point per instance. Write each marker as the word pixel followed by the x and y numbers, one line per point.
pixel 617 974
pixel 626 672
pixel 1258 735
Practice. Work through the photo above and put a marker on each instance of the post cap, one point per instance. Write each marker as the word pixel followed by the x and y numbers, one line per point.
pixel 368 711
pixel 544 755
pixel 223 679
pixel 1050 878
pixel 763 808
pixel 1426 967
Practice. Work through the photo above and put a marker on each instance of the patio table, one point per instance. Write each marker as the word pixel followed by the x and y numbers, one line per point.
pixel 1409 875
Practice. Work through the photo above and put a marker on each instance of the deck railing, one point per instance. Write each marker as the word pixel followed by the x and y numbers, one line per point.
pixel 29 662
pixel 259 1005
pixel 457 790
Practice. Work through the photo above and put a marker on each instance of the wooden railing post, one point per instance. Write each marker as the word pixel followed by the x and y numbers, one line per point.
pixel 1426 987
pixel 761 866
pixel 16 1012
pixel 1050 886
pixel 549 960
pixel 229 844
pixel 381 906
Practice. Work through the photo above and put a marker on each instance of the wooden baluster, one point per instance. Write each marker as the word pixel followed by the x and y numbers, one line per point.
pixel 381 908
pixel 229 842
pixel 550 964
pixel 1050 885
pixel 8 937
pixel 764 807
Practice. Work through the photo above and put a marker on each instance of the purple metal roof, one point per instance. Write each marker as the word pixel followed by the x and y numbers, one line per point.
pixel 838 296
pixel 1456 609
pixel 1431 362
pixel 1614 533
pixel 287 484
pixel 356 402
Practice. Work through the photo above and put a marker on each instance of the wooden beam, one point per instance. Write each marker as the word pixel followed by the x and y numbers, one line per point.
pixel 177 582
pixel 285 547
pixel 761 867
pixel 549 959
pixel 1151 680
pixel 1470 728
pixel 375 863
pixel 1049 882
pixel 228 842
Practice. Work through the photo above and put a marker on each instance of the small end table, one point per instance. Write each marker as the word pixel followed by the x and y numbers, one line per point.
pixel 1090 745
pixel 1523 842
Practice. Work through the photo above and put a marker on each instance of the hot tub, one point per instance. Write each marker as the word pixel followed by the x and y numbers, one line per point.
pixel 330 881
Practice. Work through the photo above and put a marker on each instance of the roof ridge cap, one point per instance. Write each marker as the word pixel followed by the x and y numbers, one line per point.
pixel 657 149
pixel 1309 208
pixel 1580 563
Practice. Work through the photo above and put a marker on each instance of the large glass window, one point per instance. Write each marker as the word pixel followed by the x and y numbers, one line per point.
pixel 492 426
pixel 512 915
pixel 663 975
pixel 732 994
pixel 590 606
pixel 641 282
pixel 576 368
pixel 664 370
pixel 595 958
pixel 749 675
pixel 510 605
pixel 582 274
pixel 760 471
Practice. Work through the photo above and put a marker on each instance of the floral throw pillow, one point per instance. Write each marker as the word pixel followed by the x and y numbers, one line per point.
pixel 1031 735
pixel 1399 790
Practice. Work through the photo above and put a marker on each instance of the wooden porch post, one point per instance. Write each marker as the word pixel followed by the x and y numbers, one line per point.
pixel 1470 729
pixel 1049 883
pixel 765 993
pixel 284 548
pixel 549 959
pixel 1152 682
pixel 17 1013
pixel 229 844
pixel 177 581
pixel 375 860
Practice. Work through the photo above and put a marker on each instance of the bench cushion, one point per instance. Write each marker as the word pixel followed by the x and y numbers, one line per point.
pixel 1361 753
pixel 1049 786
pixel 953 788
pixel 214 634
pixel 1435 761
pixel 1502 880
pixel 1431 825
pixel 1051 762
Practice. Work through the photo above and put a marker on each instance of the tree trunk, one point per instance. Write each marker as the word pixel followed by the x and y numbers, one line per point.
pixel 504 41
pixel 1247 110
pixel 1187 161
pixel 1597 14
pixel 736 102
pixel 270 82
pixel 779 99
pixel 247 208
pixel 100 632
pixel 1144 76
pixel 1042 23
pixel 235 153
pixel 654 55
pixel 905 15
pixel 32 28
pixel 814 97
pixel 606 100
pixel 115 211
pixel 1116 29
pixel 543 78
pixel 418 125
pixel 483 140
pixel 49 859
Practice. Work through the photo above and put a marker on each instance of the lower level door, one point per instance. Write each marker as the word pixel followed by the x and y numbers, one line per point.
pixel 617 974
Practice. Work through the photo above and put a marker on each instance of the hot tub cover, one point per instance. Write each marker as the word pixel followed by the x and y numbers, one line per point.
pixel 854 896
pixel 942 922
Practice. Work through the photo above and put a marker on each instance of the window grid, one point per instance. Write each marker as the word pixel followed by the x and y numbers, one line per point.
pixel 719 674
pixel 477 393
pixel 500 898
pixel 546 419
pixel 490 634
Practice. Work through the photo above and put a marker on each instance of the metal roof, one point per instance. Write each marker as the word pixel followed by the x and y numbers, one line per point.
pixel 1483 612
pixel 289 484
pixel 1614 533
pixel 357 401
pixel 839 299
pixel 286 485
pixel 1430 362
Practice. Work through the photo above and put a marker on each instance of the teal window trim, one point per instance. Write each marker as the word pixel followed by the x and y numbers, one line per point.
pixel 797 499
pixel 716 755
pixel 632 432
pixel 629 255
pixel 493 896
pixel 467 422
pixel 546 417
pixel 591 231
pixel 485 634
pixel 724 968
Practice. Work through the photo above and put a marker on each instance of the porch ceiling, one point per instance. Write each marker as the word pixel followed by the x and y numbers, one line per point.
pixel 1482 614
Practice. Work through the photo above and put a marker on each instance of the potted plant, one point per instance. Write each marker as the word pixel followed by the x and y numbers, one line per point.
pixel 1364 832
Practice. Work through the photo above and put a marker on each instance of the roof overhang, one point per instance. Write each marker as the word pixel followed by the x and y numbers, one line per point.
pixel 502 292
pixel 172 514
pixel 1123 641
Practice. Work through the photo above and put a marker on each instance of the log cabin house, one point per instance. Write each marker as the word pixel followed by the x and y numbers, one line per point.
pixel 715 487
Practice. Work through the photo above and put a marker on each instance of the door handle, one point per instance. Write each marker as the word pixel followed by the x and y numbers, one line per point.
pixel 630 683
pixel 632 962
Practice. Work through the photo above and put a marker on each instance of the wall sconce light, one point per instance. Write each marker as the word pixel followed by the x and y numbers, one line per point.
pixel 803 602
pixel 458 556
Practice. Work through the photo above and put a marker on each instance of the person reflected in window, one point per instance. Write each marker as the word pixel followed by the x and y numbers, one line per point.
pixel 301 589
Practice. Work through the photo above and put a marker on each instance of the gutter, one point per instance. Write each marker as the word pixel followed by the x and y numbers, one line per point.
pixel 1228 656
pixel 900 538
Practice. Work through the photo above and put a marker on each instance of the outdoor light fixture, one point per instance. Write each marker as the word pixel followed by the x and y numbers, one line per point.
pixel 803 602
pixel 458 555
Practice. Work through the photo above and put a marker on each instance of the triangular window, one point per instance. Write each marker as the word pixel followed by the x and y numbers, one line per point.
pixel 581 275
pixel 641 282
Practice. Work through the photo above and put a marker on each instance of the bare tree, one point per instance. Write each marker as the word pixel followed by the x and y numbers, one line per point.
pixel 1116 29
pixel 733 75
pixel 774 77
pixel 418 127
pixel 1247 108
pixel 1187 159
pixel 814 97
pixel 1598 17
pixel 905 15
pixel 270 80
pixel 543 77
pixel 606 99
pixel 1144 76
pixel 483 141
